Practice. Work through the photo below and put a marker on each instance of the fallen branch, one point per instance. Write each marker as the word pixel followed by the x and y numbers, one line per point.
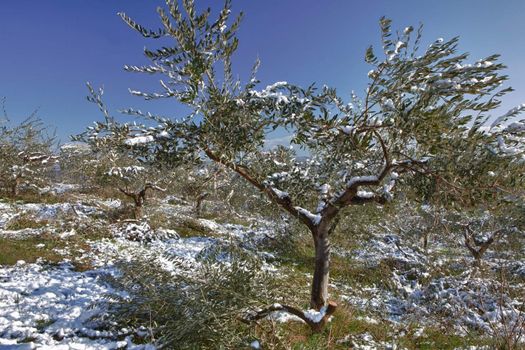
pixel 316 325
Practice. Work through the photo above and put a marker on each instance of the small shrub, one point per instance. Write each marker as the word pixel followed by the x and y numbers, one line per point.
pixel 198 305
pixel 142 232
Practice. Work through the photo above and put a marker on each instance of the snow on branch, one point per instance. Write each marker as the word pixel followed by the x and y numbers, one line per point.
pixel 139 140
pixel 315 319
pixel 510 114
pixel 315 219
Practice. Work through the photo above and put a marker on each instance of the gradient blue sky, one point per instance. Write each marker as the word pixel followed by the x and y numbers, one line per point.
pixel 49 49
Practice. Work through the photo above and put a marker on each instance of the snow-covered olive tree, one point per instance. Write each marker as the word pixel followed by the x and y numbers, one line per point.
pixel 135 181
pixel 114 162
pixel 26 151
pixel 419 105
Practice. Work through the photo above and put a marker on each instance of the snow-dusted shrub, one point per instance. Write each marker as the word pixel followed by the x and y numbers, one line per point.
pixel 139 232
pixel 25 221
pixel 490 307
pixel 190 306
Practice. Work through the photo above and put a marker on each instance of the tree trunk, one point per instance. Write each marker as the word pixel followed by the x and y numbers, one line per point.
pixel 137 212
pixel 319 295
pixel 425 241
pixel 14 190
pixel 198 203
pixel 14 187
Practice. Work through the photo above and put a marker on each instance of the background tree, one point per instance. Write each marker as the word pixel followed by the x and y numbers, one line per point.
pixel 27 154
pixel 482 203
pixel 117 164
pixel 135 181
pixel 419 105
pixel 202 182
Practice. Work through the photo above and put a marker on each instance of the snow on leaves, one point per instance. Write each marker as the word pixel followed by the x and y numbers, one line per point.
pixel 417 108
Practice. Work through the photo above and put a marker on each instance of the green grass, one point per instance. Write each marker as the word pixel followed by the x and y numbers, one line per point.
pixel 25 222
pixel 225 218
pixel 297 335
pixel 189 228
pixel 25 248
pixel 435 338
pixel 346 326
pixel 12 250
pixel 34 197
pixel 185 231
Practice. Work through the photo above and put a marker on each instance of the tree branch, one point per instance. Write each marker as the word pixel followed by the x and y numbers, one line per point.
pixel 315 326
pixel 126 192
pixel 284 201
pixel 154 187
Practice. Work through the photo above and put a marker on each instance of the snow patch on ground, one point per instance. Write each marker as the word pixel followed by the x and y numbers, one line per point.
pixel 48 307
pixel 59 188
pixel 413 295
pixel 142 232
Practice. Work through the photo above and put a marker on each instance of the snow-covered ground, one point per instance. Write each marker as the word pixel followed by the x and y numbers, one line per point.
pixel 414 296
pixel 51 306
pixel 44 306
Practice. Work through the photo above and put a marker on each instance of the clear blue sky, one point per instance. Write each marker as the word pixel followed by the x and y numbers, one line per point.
pixel 49 49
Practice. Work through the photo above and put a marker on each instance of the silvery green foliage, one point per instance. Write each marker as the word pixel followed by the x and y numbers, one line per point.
pixel 188 306
pixel 422 110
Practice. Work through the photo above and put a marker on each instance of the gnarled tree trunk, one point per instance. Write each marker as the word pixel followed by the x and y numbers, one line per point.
pixel 319 293
pixel 478 253
pixel 137 211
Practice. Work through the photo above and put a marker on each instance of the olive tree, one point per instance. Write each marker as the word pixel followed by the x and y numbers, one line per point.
pixel 483 203
pixel 115 162
pixel 26 150
pixel 135 181
pixel 420 103
pixel 200 182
